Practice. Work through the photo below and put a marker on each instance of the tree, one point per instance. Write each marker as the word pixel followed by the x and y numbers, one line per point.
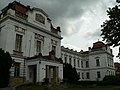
pixel 5 65
pixel 111 28
pixel 70 74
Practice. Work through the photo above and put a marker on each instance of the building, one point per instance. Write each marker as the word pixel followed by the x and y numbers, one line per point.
pixel 35 46
pixel 93 64
pixel 117 68
pixel 28 32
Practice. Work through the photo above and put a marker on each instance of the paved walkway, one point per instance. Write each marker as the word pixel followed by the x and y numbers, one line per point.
pixel 7 88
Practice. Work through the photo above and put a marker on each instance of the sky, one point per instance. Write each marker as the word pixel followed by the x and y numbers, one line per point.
pixel 80 20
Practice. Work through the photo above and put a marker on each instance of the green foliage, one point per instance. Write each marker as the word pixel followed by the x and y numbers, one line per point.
pixel 70 74
pixel 30 87
pixel 111 28
pixel 87 83
pixel 5 65
pixel 111 80
pixel 69 87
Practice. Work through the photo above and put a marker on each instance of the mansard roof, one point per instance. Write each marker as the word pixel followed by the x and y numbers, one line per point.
pixel 98 45
pixel 16 6
pixel 22 8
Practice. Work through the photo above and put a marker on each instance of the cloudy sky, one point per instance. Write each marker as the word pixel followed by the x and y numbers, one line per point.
pixel 80 20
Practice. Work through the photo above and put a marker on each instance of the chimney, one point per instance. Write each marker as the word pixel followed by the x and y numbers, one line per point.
pixel 89 48
pixel 58 28
pixel 28 6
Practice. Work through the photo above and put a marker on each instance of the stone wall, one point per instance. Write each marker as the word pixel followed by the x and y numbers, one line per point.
pixel 16 81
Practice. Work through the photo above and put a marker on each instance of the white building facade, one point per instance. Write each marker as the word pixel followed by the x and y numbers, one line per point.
pixel 35 46
pixel 28 32
pixel 93 64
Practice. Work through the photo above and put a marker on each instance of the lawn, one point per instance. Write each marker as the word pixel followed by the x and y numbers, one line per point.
pixel 31 87
pixel 68 87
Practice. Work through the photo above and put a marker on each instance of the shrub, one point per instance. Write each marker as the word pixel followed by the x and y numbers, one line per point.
pixel 111 80
pixel 70 74
pixel 5 65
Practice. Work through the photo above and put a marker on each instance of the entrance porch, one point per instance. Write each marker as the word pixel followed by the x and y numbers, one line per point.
pixel 39 69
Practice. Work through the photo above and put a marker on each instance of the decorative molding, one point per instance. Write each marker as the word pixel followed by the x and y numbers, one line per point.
pixel 19 29
pixel 39 37
pixel 17 53
pixel 53 42
pixel 30 25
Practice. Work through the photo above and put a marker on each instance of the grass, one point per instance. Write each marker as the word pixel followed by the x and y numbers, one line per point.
pixel 68 87
pixel 32 87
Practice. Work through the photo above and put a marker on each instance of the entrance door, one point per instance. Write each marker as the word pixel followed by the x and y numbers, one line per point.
pixel 34 74
pixel 52 73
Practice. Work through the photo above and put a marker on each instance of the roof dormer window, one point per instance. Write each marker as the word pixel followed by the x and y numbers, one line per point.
pixel 40 18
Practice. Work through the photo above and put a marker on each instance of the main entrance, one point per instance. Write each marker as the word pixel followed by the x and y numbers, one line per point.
pixel 52 73
pixel 32 73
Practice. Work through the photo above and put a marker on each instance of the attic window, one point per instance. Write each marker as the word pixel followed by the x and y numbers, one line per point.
pixel 40 18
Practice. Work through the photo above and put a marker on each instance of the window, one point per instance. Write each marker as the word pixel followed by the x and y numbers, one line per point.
pixel 70 60
pixel 65 59
pixel 98 74
pixel 78 63
pixel 87 75
pixel 54 48
pixel 82 75
pixel 82 64
pixel 40 18
pixel 18 43
pixel 87 64
pixel 97 62
pixel 74 62
pixel 38 49
pixel 79 74
pixel 17 69
pixel 109 72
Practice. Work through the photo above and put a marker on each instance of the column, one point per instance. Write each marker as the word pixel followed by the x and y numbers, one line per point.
pixel 47 71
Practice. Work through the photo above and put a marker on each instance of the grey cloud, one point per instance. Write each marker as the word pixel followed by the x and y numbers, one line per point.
pixel 93 35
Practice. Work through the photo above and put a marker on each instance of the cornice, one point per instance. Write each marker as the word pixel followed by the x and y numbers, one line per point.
pixel 100 52
pixel 70 51
pixel 42 59
pixel 25 22
pixel 95 68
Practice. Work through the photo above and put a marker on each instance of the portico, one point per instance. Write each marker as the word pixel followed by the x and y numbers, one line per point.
pixel 39 68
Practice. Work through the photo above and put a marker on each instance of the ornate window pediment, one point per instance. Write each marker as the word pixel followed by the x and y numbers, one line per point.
pixel 40 18
pixel 19 29
pixel 53 42
pixel 39 37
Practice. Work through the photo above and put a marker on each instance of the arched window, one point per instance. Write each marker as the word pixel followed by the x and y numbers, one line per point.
pixel 97 61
